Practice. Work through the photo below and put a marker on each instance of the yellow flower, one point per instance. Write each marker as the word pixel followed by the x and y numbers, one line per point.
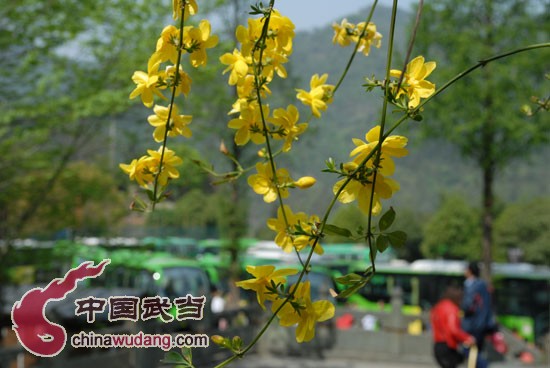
pixel 282 28
pixel 281 34
pixel 249 123
pixel 138 170
pixel 191 8
pixel 184 80
pixel 263 277
pixel 393 146
pixel 360 186
pixel 346 32
pixel 319 96
pixel 286 120
pixel 371 37
pixel 285 238
pixel 178 123
pixel 414 84
pixel 168 170
pixel 147 82
pixel 361 190
pixel 248 36
pixel 277 47
pixel 302 241
pixel 263 182
pixel 343 32
pixel 167 44
pixel 308 313
pixel 237 64
pixel 198 39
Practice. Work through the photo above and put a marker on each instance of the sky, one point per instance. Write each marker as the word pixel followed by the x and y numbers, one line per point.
pixel 308 14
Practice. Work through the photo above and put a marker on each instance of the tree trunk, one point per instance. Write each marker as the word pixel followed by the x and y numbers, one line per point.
pixel 488 158
pixel 487 222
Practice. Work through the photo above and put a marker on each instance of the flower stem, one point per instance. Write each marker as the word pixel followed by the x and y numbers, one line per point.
pixel 381 134
pixel 170 109
pixel 480 64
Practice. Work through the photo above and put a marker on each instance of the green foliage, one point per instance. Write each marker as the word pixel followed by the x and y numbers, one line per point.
pixel 386 220
pixel 182 360
pixel 525 226
pixel 66 71
pixel 337 230
pixel 83 200
pixel 453 231
pixel 481 115
pixel 346 217
pixel 411 223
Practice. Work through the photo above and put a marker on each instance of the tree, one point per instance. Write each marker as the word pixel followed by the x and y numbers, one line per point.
pixel 453 231
pixel 524 229
pixel 481 114
pixel 410 221
pixel 59 79
pixel 84 201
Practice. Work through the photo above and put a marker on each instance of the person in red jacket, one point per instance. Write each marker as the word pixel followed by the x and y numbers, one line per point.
pixel 447 333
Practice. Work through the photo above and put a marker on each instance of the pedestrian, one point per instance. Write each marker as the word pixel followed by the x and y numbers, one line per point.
pixel 478 314
pixel 447 333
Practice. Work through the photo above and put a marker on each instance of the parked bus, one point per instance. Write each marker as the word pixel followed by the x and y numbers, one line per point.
pixel 521 292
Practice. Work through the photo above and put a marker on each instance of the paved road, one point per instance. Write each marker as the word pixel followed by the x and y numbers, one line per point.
pixel 255 361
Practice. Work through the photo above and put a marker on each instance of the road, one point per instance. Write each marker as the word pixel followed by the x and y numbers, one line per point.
pixel 256 361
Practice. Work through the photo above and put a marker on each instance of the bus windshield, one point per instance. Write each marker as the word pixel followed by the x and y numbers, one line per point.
pixel 180 281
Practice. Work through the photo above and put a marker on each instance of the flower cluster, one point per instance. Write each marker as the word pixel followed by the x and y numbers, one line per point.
pixel 159 166
pixel 365 34
pixel 365 165
pixel 253 67
pixel 295 231
pixel 146 168
pixel 268 284
pixel 302 311
pixel 265 46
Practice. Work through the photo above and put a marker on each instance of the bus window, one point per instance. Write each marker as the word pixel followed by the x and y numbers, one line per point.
pixel 180 281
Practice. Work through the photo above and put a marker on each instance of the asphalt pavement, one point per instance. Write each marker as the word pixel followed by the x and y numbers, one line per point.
pixel 257 361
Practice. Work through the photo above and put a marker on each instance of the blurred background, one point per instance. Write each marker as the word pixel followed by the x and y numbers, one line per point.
pixel 474 186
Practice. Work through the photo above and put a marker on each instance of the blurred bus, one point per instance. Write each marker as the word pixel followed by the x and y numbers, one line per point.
pixel 521 292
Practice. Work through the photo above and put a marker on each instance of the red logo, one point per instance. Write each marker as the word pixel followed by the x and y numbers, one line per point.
pixel 35 332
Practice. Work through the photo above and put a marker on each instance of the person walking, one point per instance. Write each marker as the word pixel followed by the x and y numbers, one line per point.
pixel 447 333
pixel 478 315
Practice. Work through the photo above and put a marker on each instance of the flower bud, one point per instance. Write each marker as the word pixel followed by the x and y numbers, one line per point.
pixel 223 148
pixel 218 340
pixel 305 182
pixel 350 166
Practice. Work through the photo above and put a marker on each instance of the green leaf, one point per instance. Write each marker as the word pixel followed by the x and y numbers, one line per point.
pixel 397 238
pixel 336 230
pixel 138 205
pixel 352 289
pixel 150 194
pixel 417 117
pixel 331 166
pixel 382 242
pixel 172 357
pixel 187 354
pixel 349 279
pixel 236 343
pixel 387 219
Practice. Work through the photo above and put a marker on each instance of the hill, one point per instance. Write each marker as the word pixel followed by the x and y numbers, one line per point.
pixel 433 167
